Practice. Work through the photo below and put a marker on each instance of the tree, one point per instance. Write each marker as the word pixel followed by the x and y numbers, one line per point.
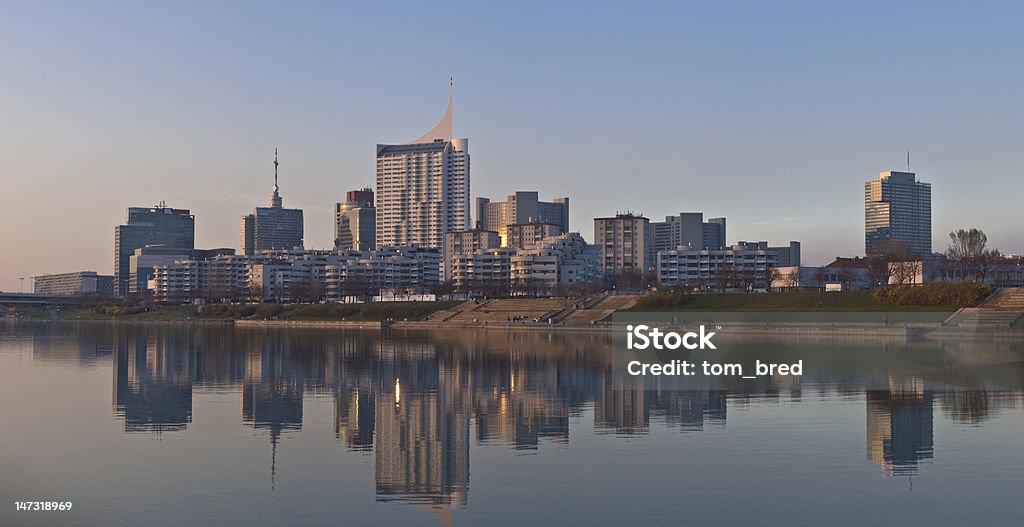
pixel 747 277
pixel 846 277
pixel 255 291
pixel 969 255
pixel 771 275
pixel 792 278
pixel 879 270
pixel 443 290
pixel 724 275
pixel 820 277
pixel 905 273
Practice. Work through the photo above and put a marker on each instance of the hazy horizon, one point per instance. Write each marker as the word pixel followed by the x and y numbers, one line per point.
pixel 772 115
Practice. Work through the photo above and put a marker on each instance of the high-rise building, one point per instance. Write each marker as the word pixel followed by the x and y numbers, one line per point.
pixel 688 229
pixel 355 222
pixel 897 208
pixel 521 208
pixel 423 188
pixel 273 227
pixel 158 225
pixel 626 242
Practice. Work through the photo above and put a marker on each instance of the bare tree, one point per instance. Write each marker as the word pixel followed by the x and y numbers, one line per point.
pixel 906 273
pixel 792 278
pixel 724 276
pixel 967 252
pixel 846 278
pixel 771 275
pixel 879 269
pixel 747 277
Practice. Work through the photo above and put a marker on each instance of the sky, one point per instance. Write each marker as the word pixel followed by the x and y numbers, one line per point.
pixel 772 114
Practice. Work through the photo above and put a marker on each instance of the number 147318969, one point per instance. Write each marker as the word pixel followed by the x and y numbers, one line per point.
pixel 42 505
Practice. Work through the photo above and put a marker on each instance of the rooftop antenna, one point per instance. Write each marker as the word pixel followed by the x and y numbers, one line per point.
pixel 275 198
pixel 908 160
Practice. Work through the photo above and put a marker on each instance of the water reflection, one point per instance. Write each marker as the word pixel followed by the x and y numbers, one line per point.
pixel 415 401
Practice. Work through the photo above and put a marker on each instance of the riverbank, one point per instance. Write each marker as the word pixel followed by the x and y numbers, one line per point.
pixel 284 313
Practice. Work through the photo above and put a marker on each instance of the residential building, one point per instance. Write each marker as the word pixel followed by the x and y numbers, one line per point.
pixel 563 259
pixel 145 260
pixel 522 235
pixel 74 284
pixel 627 243
pixel 688 229
pixel 423 188
pixel 355 222
pixel 897 208
pixel 464 242
pixel 222 277
pixel 745 265
pixel 298 275
pixel 842 274
pixel 273 227
pixel 158 225
pixel 521 208
pixel 483 271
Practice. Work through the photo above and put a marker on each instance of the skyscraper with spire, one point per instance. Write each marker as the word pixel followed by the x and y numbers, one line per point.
pixel 273 227
pixel 423 187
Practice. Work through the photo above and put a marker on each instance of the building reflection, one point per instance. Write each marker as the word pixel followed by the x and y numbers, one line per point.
pixel 153 382
pixel 899 429
pixel 415 401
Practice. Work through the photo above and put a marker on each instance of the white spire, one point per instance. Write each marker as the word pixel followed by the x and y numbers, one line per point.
pixel 443 130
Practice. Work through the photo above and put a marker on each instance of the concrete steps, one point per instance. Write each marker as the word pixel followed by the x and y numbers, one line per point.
pixel 600 310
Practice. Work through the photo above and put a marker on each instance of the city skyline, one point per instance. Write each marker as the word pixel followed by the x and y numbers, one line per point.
pixel 712 118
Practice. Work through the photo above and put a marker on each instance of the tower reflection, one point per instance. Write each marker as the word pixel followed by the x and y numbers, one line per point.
pixel 415 401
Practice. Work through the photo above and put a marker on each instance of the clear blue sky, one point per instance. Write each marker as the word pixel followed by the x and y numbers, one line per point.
pixel 772 114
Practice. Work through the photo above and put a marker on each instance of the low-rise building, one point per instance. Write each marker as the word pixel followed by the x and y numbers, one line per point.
pixel 485 271
pixel 74 284
pixel 744 266
pixel 464 242
pixel 564 259
pixel 523 235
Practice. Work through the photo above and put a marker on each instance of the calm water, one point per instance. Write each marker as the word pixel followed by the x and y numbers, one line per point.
pixel 173 426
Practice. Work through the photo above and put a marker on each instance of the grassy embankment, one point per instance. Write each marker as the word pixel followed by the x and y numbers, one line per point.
pixel 213 312
pixel 930 297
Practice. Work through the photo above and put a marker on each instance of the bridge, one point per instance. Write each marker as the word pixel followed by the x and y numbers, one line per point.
pixel 35 299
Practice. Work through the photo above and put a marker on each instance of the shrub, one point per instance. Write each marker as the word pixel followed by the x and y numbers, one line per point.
pixel 960 294
pixel 675 297
pixel 266 311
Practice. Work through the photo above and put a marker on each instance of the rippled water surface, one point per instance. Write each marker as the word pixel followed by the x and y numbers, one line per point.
pixel 176 426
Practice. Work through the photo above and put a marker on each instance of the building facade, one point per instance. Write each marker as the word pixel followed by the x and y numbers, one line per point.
pixel 423 188
pixel 563 259
pixel 463 242
pixel 521 208
pixel 688 229
pixel 355 222
pixel 897 208
pixel 74 284
pixel 158 225
pixel 626 242
pixel 523 235
pixel 274 227
pixel 745 266
pixel 299 275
